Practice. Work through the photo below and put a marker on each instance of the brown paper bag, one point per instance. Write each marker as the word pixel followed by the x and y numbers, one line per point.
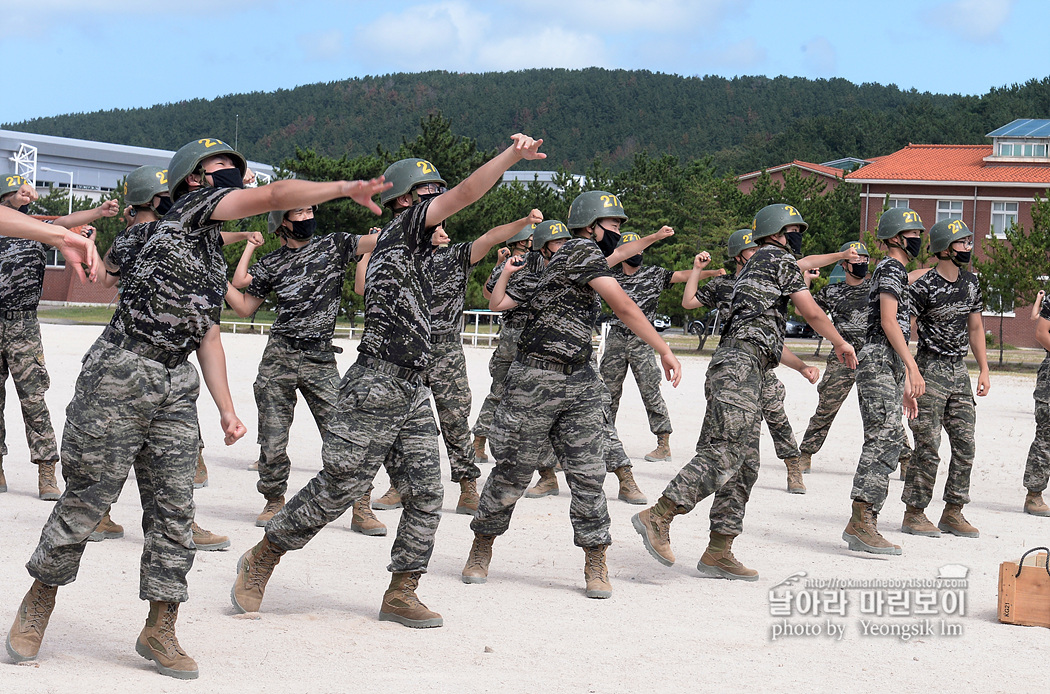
pixel 1024 590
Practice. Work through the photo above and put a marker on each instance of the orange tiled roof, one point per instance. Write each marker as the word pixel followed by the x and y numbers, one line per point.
pixel 949 163
pixel 829 171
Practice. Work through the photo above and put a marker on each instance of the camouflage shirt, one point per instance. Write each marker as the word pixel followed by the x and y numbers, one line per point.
pixel 398 286
pixel 644 287
pixel 891 278
pixel 452 268
pixel 172 293
pixel 942 310
pixel 127 245
pixel 760 297
pixel 564 308
pixel 717 294
pixel 21 273
pixel 516 317
pixel 848 306
pixel 308 282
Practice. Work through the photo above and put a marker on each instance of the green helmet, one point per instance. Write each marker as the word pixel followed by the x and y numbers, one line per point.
pixel 627 237
pixel 896 220
pixel 188 160
pixel 524 235
pixel 145 183
pixel 592 205
pixel 946 232
pixel 10 183
pixel 857 246
pixel 406 174
pixel 771 219
pixel 739 241
pixel 549 230
pixel 274 220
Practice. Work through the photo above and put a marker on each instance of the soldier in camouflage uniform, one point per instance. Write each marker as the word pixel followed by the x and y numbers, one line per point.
pixel 135 399
pixel 946 304
pixel 552 393
pixel 306 274
pixel 502 357
pixel 447 374
pixel 726 459
pixel 1037 467
pixel 887 375
pixel 22 264
pixel 624 349
pixel 383 414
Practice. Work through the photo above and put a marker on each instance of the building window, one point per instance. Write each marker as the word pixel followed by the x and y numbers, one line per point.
pixel 897 203
pixel 949 209
pixel 54 258
pixel 1021 149
pixel 1003 215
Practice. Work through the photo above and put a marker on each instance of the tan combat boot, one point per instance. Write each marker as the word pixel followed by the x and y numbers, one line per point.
pixel 106 530
pixel 862 533
pixel 479 449
pixel 401 605
pixel 3 480
pixel 1034 504
pixel 253 465
pixel 805 462
pixel 23 641
pixel 718 560
pixel 269 511
pixel 952 521
pixel 200 475
pixel 389 501
pixel 363 520
pixel 794 470
pixel 547 486
pixel 206 540
pixel 916 523
pixel 654 525
pixel 46 482
pixel 629 490
pixel 662 452
pixel 476 569
pixel 595 573
pixel 157 642
pixel 254 569
pixel 468 497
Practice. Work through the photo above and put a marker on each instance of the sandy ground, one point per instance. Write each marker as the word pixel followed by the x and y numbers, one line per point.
pixel 530 628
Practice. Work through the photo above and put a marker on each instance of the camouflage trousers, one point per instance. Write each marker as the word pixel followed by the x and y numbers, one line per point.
pixel 447 378
pixel 880 389
pixel 282 371
pixel 622 349
pixel 948 402
pixel 499 363
pixel 539 409
pixel 22 355
pixel 127 411
pixel 772 399
pixel 379 419
pixel 726 461
pixel 1037 469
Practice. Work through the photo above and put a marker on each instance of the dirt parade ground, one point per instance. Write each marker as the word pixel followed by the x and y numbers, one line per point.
pixel 819 617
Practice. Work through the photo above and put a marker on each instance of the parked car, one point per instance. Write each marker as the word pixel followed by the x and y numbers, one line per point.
pixel 661 322
pixel 796 327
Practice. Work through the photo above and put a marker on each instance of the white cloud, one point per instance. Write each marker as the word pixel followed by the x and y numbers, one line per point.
pixel 978 21
pixel 553 47
pixel 820 57
pixel 322 45
pixel 615 16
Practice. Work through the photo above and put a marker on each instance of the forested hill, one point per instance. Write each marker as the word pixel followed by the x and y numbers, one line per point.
pixel 745 123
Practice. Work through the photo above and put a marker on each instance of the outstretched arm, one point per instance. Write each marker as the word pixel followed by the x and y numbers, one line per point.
pixel 290 194
pixel 76 249
pixel 625 251
pixel 498 235
pixel 107 209
pixel 212 359
pixel 812 262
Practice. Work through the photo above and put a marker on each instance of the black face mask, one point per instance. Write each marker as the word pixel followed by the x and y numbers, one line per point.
pixel 302 230
pixel 913 246
pixel 163 206
pixel 610 240
pixel 859 270
pixel 24 209
pixel 634 260
pixel 227 178
pixel 961 258
pixel 794 241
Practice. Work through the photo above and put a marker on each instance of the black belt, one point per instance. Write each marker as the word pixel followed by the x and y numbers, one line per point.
pixel 402 372
pixel 162 356
pixel 17 315
pixel 307 345
pixel 556 367
pixel 749 347
pixel 449 337
pixel 929 356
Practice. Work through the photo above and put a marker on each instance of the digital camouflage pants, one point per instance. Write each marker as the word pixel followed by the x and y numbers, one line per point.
pixel 127 411
pixel 948 402
pixel 499 363
pixel 880 389
pixel 1037 469
pixel 378 419
pixel 565 412
pixel 624 349
pixel 282 371
pixel 772 399
pixel 22 356
pixel 447 378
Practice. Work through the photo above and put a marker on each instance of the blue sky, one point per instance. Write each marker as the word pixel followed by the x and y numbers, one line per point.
pixel 89 55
